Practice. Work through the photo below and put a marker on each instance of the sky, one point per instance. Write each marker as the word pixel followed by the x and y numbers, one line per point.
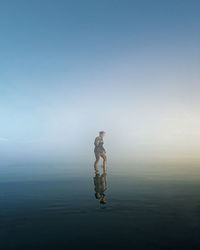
pixel 69 69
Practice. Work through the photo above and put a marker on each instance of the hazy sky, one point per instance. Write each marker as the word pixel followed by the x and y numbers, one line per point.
pixel 69 69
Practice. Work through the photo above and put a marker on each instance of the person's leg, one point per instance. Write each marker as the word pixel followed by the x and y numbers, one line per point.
pixel 104 162
pixel 96 162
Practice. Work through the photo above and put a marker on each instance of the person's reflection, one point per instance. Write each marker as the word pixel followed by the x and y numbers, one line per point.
pixel 100 185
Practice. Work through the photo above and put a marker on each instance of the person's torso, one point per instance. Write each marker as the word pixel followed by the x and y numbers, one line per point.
pixel 99 142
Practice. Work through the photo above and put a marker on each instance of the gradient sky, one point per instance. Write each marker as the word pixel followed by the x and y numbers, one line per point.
pixel 69 69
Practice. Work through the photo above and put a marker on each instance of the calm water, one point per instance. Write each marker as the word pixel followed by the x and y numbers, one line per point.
pixel 54 207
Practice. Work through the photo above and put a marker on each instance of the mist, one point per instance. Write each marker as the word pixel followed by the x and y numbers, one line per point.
pixel 141 87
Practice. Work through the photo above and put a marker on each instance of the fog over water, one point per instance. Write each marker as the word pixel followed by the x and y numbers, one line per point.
pixel 69 69
pixel 64 80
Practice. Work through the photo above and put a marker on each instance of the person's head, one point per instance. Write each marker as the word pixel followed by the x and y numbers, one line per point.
pixel 102 133
pixel 103 201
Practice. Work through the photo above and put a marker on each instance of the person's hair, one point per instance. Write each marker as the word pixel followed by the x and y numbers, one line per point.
pixel 103 201
pixel 101 132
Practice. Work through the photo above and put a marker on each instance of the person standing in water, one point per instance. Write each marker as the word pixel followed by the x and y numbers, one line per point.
pixel 99 150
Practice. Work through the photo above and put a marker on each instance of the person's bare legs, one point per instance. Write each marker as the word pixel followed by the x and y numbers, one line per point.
pixel 96 162
pixel 104 162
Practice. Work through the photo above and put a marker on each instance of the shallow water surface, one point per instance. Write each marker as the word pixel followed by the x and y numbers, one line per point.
pixel 55 207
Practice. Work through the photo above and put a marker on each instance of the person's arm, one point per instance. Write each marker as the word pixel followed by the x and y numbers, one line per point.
pixel 96 142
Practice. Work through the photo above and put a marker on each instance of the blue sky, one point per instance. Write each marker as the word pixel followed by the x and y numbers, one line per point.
pixel 72 68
